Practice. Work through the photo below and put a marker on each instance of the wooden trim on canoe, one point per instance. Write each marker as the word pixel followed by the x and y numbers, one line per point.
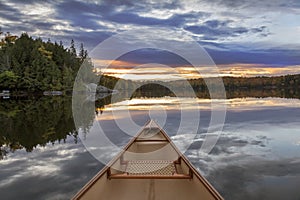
pixel 105 168
pixel 162 141
pixel 182 158
pixel 126 176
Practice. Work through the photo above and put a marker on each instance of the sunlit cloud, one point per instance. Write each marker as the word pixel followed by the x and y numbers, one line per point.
pixel 135 71
pixel 251 70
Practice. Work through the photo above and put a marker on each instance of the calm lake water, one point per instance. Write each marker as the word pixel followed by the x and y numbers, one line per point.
pixel 43 156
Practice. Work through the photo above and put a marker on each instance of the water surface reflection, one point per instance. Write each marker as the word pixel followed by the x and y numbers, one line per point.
pixel 256 157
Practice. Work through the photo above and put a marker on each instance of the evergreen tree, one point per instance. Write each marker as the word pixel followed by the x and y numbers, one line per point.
pixel 72 48
pixel 82 53
pixel 34 65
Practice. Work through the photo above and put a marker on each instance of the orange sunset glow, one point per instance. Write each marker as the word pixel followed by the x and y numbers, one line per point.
pixel 136 71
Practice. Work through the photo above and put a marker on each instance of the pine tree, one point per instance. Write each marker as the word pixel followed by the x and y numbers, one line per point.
pixel 82 53
pixel 72 49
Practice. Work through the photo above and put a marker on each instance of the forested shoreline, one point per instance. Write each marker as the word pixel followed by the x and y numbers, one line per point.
pixel 28 64
pixel 33 65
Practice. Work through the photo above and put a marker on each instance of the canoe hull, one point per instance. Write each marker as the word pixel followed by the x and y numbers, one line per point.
pixel 176 178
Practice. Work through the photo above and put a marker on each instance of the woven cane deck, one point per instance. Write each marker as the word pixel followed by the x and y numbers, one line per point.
pixel 151 167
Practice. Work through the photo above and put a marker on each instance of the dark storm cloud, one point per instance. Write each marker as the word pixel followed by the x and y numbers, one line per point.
pixel 24 2
pixel 206 30
pixel 214 28
pixel 246 4
pixel 81 14
pixel 11 28
pixel 8 12
pixel 144 56
pixel 130 18
pixel 217 23
pixel 86 15
pixel 91 39
pixel 269 57
pixel 143 4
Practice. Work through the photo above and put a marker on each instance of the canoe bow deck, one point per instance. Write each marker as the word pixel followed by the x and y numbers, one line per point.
pixel 151 168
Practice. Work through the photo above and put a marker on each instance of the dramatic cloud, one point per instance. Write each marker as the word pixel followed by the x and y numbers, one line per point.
pixel 263 32
pixel 213 29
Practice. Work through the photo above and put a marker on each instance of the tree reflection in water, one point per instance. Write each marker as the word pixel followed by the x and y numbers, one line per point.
pixel 27 122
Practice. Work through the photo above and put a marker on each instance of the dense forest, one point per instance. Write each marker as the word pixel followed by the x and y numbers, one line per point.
pixel 33 65
pixel 279 86
pixel 29 64
pixel 233 83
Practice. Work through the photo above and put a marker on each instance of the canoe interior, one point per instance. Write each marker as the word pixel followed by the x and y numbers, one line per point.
pixel 152 168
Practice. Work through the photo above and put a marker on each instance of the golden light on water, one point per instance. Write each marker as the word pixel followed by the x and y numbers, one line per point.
pixel 178 103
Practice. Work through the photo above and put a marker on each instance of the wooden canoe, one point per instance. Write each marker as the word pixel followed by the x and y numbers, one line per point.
pixel 151 168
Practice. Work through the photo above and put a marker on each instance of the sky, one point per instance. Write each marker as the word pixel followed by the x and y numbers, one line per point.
pixel 244 38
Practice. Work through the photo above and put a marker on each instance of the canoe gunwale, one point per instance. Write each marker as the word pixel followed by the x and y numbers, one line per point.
pixel 182 158
pixel 106 168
